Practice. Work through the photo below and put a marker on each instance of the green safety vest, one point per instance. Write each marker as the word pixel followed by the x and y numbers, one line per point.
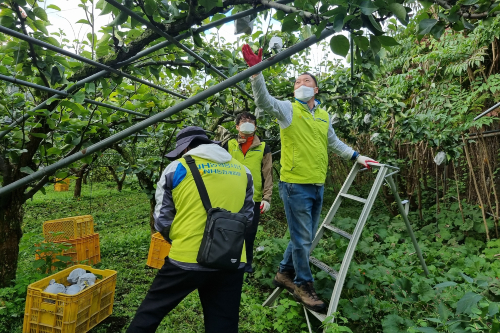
pixel 253 161
pixel 226 185
pixel 304 146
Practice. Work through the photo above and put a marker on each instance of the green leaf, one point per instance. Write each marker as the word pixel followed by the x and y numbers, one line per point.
pixel 424 291
pixel 399 11
pixel 40 13
pixel 372 25
pixel 289 24
pixel 445 284
pixel 27 170
pixel 425 26
pixel 70 105
pixel 438 30
pixel 119 19
pixel 149 6
pixel 64 258
pixel 427 330
pixel 197 40
pixel 362 42
pixel 207 4
pixel 387 41
pixel 467 302
pixel 467 278
pixel 338 22
pixel 339 45
pixel 54 151
pixel 469 2
pixel 54 7
pixel 367 7
pixel 375 44
pixel 21 2
pixel 38 263
pixel 83 21
pixel 426 4
pixel 79 97
pixel 40 26
pixel 493 309
pixel 55 75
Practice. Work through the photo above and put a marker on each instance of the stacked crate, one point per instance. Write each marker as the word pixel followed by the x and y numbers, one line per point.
pixel 77 231
pixel 61 185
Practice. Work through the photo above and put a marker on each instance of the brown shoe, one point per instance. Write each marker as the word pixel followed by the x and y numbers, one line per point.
pixel 307 296
pixel 284 280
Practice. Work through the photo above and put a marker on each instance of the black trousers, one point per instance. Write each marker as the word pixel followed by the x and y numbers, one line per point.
pixel 220 295
pixel 250 237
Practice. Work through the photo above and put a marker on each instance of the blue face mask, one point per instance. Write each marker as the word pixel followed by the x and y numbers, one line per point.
pixel 304 94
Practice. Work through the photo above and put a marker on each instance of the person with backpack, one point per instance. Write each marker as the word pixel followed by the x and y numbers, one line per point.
pixel 306 136
pixel 203 206
pixel 256 156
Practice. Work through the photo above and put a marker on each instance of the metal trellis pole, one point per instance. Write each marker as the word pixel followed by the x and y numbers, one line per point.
pixel 139 55
pixel 153 27
pixel 107 68
pixel 65 94
pixel 49 170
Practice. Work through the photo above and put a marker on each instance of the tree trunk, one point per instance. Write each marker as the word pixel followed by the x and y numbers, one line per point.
pixel 85 175
pixel 119 182
pixel 119 185
pixel 11 217
pixel 78 185
pixel 152 205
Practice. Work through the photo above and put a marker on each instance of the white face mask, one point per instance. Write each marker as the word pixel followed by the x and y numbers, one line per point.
pixel 304 94
pixel 247 128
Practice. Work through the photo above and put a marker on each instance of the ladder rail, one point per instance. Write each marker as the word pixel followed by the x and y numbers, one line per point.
pixel 344 267
pixel 335 206
pixel 404 215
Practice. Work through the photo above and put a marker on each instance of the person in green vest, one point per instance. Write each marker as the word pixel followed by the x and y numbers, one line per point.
pixel 180 217
pixel 257 157
pixel 306 135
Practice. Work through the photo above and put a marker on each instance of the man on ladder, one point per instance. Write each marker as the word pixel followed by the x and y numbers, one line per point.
pixel 306 134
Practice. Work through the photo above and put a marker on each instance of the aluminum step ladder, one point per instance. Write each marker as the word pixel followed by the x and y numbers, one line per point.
pixel 385 173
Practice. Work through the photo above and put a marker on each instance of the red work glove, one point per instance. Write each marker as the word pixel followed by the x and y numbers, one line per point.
pixel 250 57
pixel 363 160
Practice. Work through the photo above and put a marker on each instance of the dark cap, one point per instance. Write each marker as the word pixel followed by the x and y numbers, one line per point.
pixel 185 137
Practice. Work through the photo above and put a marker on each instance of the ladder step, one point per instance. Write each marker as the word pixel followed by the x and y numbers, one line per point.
pixel 318 315
pixel 338 231
pixel 352 197
pixel 324 267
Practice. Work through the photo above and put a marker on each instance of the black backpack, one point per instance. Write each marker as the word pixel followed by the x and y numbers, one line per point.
pixel 224 233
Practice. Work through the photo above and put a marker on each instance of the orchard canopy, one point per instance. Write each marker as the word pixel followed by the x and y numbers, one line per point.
pixel 402 80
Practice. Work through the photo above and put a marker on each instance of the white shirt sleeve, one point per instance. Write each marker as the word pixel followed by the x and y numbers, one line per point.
pixel 282 110
pixel 337 146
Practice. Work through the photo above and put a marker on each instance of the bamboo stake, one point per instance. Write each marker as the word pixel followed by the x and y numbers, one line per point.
pixel 458 193
pixel 492 186
pixel 467 155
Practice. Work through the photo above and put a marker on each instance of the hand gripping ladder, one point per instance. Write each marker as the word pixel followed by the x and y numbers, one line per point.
pixel 385 172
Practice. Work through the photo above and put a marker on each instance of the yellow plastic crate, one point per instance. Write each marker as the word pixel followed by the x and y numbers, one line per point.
pixel 71 227
pixel 61 313
pixel 62 185
pixel 158 250
pixel 83 249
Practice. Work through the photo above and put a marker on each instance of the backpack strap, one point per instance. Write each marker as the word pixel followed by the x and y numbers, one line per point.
pixel 202 190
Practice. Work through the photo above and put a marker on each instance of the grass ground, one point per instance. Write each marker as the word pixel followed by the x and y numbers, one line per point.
pixel 121 219
pixel 385 290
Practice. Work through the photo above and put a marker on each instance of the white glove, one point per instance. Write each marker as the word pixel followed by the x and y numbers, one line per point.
pixel 363 160
pixel 264 206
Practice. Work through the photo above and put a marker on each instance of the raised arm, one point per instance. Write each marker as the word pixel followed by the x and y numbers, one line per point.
pixel 282 110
